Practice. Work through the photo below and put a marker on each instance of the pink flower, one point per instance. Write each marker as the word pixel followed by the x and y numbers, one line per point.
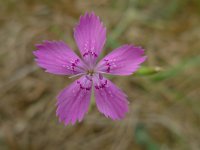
pixel 58 58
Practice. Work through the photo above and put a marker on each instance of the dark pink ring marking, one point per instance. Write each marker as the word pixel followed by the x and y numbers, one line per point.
pixel 91 53
pixel 82 87
pixel 103 85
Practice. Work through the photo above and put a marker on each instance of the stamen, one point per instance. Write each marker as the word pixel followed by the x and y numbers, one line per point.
pixel 76 75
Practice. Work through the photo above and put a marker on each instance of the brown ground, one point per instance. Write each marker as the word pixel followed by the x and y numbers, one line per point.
pixel 164 108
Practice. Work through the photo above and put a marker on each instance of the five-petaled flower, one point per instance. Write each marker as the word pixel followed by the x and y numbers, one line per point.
pixel 73 101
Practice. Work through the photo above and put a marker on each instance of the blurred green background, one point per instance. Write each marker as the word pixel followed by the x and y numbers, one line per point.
pixel 164 106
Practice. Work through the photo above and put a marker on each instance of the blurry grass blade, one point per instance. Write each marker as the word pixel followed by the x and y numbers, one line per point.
pixel 93 103
pixel 112 43
pixel 177 69
pixel 56 30
pixel 172 8
pixel 141 4
pixel 141 135
pixel 144 71
pixel 144 139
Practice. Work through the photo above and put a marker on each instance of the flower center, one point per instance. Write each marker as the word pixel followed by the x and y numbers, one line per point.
pixel 90 72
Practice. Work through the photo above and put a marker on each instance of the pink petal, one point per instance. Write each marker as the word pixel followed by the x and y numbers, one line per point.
pixel 58 58
pixel 122 61
pixel 110 100
pixel 90 36
pixel 73 101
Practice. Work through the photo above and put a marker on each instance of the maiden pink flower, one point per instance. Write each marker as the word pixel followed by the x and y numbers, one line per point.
pixel 73 101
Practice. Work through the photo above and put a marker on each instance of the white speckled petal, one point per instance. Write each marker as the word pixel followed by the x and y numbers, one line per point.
pixel 57 58
pixel 110 100
pixel 90 36
pixel 73 101
pixel 122 61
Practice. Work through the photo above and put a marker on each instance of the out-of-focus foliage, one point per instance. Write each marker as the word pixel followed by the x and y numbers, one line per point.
pixel 143 138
